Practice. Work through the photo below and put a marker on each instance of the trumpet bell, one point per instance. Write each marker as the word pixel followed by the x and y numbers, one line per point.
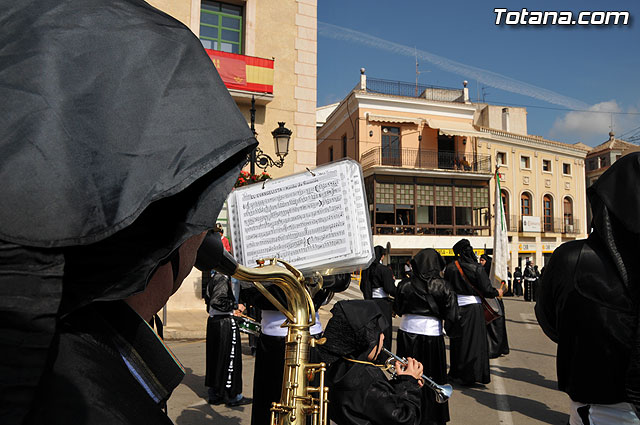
pixel 443 393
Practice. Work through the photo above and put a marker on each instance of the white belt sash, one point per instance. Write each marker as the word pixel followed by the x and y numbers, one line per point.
pixel 422 325
pixel 468 299
pixel 272 319
pixel 379 293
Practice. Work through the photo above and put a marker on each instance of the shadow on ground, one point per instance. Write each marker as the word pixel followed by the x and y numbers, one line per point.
pixel 533 409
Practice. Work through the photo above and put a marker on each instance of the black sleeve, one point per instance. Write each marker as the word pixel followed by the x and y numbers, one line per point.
pixel 394 402
pixel 484 284
pixel 249 294
pixel 337 283
pixel 365 284
pixel 445 298
pixel 387 280
pixel 399 302
pixel 559 272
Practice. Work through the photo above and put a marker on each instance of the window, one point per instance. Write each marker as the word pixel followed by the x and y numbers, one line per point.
pixel 525 162
pixel 331 154
pixel 592 164
pixel 525 204
pixel 547 210
pixel 566 168
pixel 501 158
pixel 221 27
pixel 344 146
pixel 505 205
pixel 567 207
pixel 391 146
pixel 546 165
pixel 604 161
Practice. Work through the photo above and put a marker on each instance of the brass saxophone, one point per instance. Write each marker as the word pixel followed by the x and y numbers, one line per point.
pixel 298 399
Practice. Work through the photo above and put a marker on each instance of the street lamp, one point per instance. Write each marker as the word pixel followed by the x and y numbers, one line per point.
pixel 281 138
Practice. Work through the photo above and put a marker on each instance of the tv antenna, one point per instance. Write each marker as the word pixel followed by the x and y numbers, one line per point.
pixel 418 72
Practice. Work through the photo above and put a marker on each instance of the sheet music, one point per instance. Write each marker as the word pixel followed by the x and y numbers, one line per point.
pixel 314 222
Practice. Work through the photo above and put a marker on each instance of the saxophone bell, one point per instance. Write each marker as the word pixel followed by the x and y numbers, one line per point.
pixel 443 392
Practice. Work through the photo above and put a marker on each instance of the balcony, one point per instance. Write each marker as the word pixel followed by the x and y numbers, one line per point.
pixel 426 159
pixel 558 225
pixel 243 75
pixel 419 91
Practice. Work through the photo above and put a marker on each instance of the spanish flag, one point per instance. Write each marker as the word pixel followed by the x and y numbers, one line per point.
pixel 242 72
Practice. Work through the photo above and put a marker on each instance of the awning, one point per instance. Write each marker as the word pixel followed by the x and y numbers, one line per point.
pixel 453 128
pixel 393 119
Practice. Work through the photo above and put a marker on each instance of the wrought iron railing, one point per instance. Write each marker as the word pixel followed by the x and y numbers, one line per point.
pixel 426 159
pixel 399 88
pixel 557 225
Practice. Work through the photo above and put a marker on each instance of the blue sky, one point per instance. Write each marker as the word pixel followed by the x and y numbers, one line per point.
pixel 545 68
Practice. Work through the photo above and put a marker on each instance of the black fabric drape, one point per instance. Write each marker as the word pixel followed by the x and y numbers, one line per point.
pixel 430 351
pixel 497 340
pixel 468 353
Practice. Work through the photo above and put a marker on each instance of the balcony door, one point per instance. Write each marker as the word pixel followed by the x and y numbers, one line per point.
pixel 547 210
pixel 391 152
pixel 446 151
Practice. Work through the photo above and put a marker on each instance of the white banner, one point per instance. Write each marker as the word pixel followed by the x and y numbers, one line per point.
pixel 498 271
pixel 530 224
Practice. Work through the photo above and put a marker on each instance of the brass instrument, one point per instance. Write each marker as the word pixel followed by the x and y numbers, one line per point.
pixel 298 399
pixel 443 392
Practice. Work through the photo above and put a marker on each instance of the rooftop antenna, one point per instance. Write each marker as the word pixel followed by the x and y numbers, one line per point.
pixel 417 71
pixel 484 93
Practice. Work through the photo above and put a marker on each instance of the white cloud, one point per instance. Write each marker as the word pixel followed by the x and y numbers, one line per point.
pixel 592 127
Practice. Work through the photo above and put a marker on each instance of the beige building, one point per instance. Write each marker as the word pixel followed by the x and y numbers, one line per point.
pixel 265 50
pixel 600 158
pixel 429 155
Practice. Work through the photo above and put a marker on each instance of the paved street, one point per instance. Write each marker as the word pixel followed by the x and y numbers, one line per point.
pixel 522 389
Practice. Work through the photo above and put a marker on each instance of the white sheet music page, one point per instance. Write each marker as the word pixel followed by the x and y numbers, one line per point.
pixel 313 221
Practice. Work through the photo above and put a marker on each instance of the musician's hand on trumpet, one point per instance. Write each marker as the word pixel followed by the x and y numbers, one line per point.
pixel 412 368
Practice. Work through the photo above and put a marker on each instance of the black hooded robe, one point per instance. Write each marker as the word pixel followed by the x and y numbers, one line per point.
pixel 360 393
pixel 425 294
pixel 589 296
pixel 378 279
pixel 118 142
pixel 468 351
pixel 223 356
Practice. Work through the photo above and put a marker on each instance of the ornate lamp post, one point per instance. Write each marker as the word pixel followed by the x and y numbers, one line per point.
pixel 281 138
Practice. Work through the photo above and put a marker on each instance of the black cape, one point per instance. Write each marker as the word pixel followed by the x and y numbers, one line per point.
pixel 118 142
pixel 588 301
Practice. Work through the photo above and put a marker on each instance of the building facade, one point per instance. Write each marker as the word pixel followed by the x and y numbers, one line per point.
pixel 429 156
pixel 601 157
pixel 265 52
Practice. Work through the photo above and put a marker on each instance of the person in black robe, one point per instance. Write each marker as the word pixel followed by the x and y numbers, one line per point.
pixel 118 146
pixel 223 372
pixel 530 278
pixel 424 301
pixel 268 370
pixel 468 351
pixel 359 391
pixel 589 299
pixel 377 283
pixel 497 341
pixel 517 282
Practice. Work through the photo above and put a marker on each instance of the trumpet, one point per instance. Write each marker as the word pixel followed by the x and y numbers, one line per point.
pixel 443 392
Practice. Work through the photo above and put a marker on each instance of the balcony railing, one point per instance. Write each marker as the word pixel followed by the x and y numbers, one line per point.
pixel 399 88
pixel 430 229
pixel 558 225
pixel 426 159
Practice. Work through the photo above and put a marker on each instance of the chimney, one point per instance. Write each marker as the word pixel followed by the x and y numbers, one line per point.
pixel 363 80
pixel 612 136
pixel 505 119
pixel 465 92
